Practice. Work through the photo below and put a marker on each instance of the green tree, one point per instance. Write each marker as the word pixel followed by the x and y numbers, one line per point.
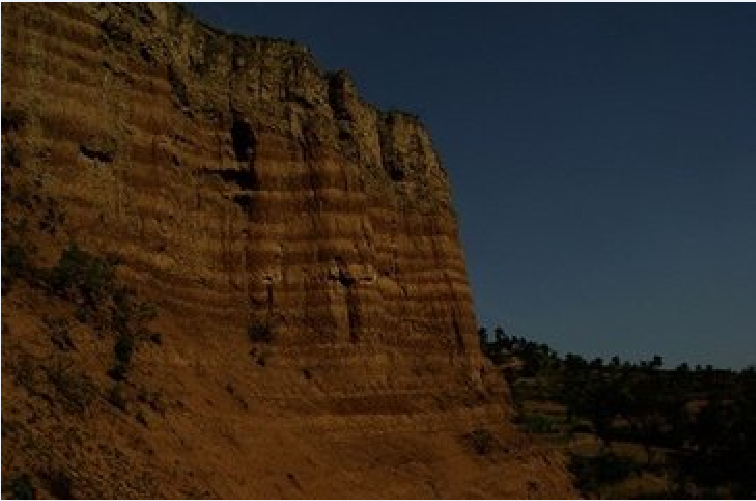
pixel 483 338
pixel 500 335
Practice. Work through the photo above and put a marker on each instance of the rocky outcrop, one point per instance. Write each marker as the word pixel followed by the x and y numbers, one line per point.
pixel 249 185
pixel 246 190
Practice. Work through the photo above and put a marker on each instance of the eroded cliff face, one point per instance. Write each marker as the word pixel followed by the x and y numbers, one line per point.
pixel 247 184
pixel 300 245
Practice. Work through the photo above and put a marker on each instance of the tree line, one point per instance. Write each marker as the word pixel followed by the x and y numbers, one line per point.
pixel 704 418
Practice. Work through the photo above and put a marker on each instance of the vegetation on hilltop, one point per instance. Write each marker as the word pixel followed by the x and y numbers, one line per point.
pixel 696 427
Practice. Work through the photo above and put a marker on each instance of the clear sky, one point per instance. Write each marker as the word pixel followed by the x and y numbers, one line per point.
pixel 602 157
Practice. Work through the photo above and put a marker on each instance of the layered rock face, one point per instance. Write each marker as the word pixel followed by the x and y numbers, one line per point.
pixel 248 186
pixel 250 194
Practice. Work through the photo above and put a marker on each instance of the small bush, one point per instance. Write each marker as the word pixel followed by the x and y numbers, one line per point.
pixel 129 316
pixel 84 313
pixel 22 487
pixel 76 388
pixel 122 310
pixel 593 472
pixel 13 120
pixel 261 333
pixel 61 484
pixel 12 156
pixel 118 371
pixel 481 440
pixel 16 264
pixel 80 273
pixel 146 311
pixel 538 424
pixel 124 349
pixel 117 397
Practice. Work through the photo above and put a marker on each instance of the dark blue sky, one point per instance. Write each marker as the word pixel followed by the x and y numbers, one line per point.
pixel 602 157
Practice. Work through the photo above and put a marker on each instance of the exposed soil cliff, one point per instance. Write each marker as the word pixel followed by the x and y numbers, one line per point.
pixel 271 298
